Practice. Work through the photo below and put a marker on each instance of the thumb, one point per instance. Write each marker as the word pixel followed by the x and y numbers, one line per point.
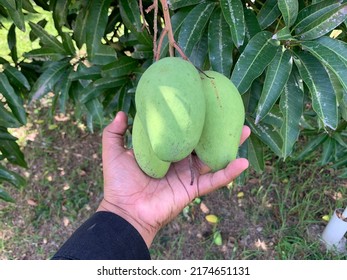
pixel 212 181
pixel 113 135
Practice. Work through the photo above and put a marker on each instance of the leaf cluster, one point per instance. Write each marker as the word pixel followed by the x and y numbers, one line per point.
pixel 288 59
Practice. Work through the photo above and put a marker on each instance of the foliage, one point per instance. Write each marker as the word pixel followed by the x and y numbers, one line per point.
pixel 288 59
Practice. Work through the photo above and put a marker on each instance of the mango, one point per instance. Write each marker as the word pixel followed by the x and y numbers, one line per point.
pixel 144 155
pixel 225 115
pixel 171 106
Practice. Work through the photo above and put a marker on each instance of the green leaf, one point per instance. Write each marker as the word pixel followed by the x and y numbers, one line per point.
pixel 258 53
pixel 95 113
pixel 283 34
pixel 110 82
pixel 86 73
pixel 252 24
pixel 3 61
pixel 44 54
pixel 16 77
pixel 337 46
pixel 219 48
pixel 176 22
pixel 310 13
pixel 95 89
pixel 45 83
pixel 251 97
pixel 311 146
pixel 43 4
pixel 268 13
pixel 90 92
pixel 128 97
pixel 97 18
pixel 7 119
pixel 122 66
pixel 130 12
pixel 103 54
pixel 45 38
pixel 12 152
pixel 5 135
pixel 28 6
pixel 267 135
pixel 8 4
pixel 274 118
pixel 234 16
pixel 14 9
pixel 289 10
pixel 142 52
pixel 339 140
pixel 193 26
pixel 79 33
pixel 63 88
pixel 317 80
pixel 68 43
pixel 277 75
pixel 32 35
pixel 256 153
pixel 176 4
pixel 323 24
pixel 5 196
pixel 60 12
pixel 328 150
pixel 333 54
pixel 14 101
pixel 12 42
pixel 292 105
pixel 341 94
pixel 12 177
pixel 199 53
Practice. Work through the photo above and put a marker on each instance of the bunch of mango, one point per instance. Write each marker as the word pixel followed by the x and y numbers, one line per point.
pixel 181 110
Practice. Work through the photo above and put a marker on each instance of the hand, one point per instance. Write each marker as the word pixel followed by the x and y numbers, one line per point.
pixel 147 203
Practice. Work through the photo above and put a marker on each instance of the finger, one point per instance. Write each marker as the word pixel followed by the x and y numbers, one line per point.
pixel 246 132
pixel 212 181
pixel 113 135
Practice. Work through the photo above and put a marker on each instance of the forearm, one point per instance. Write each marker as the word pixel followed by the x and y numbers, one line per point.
pixel 104 236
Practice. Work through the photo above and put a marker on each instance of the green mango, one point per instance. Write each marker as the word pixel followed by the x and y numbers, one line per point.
pixel 171 105
pixel 144 155
pixel 225 116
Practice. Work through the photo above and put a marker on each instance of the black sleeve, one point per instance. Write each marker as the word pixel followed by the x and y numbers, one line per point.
pixel 104 236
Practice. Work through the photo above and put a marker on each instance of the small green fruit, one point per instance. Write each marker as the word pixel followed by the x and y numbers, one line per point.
pixel 225 115
pixel 171 106
pixel 145 157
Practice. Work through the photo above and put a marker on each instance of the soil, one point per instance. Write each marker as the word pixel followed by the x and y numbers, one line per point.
pixel 44 217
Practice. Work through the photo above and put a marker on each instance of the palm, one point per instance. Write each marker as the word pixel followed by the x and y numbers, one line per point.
pixel 149 200
pixel 151 203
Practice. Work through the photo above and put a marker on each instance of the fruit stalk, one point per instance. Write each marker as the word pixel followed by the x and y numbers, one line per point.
pixel 168 27
pixel 166 31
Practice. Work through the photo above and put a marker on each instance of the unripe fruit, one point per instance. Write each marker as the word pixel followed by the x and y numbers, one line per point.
pixel 225 114
pixel 145 157
pixel 171 106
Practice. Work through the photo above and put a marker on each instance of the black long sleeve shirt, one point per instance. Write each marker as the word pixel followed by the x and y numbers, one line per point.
pixel 104 236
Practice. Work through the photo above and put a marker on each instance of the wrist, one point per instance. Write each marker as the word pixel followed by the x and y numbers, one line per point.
pixel 146 233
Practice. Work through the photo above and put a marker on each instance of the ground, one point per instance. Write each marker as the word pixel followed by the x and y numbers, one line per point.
pixel 279 214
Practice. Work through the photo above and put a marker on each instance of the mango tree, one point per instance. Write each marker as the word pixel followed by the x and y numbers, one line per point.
pixel 287 58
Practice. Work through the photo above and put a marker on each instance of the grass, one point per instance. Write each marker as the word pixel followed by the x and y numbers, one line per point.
pixel 279 215
pixel 64 184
